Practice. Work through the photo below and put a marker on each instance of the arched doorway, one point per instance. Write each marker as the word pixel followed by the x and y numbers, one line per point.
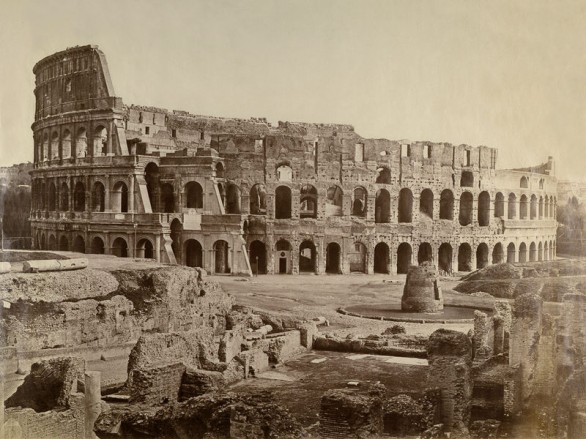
pixel 358 258
pixel 282 202
pixel 97 246
pixel 359 203
pixel 540 252
pixel 168 198
pixel 79 197
pixel 64 195
pixel 498 254
pixel 511 253
pixel 221 257
pixel 404 254
pixel 333 258
pixel 98 197
pixel 523 252
pixel 193 195
pixel 232 199
pixel 465 216
pixel 512 206
pixel 283 263
pixel 382 206
pixel 499 205
pixel 193 253
pixel 523 207
pixel 52 242
pixel 120 248
pixel 258 257
pixel 482 256
pixel 308 202
pixel 63 243
pixel 258 200
pixel 464 257
pixel 43 243
pixel 79 244
pixel 151 175
pixel 447 205
pixel 383 176
pixel 307 257
pixel 424 253
pixel 483 209
pixel 444 258
pixel 144 249
pixel 334 201
pixel 426 203
pixel 405 206
pixel 120 197
pixel 532 252
pixel 381 258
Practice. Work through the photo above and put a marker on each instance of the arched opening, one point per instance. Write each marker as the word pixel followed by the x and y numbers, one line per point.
pixel 79 244
pixel 45 149
pixel 120 248
pixel 63 243
pixel 43 244
pixel 405 206
pixel 120 197
pixel 465 216
pixel 221 257
pixel 551 251
pixel 284 173
pixel 334 201
pixel 52 197
pixel 52 242
pixel 81 143
pixel 168 197
pixel 55 145
pixel 359 202
pixel 498 254
pixel 444 258
pixel 381 258
pixel 382 206
pixel 43 195
pixel 404 254
pixel 533 208
pixel 64 195
pixel 151 176
pixel 532 252
pixel 447 205
pixel 467 179
pixel 512 207
pixel 258 257
pixel 100 141
pixel 79 197
pixel 426 203
pixel 258 199
pixel 540 252
pixel 193 253
pixel 333 258
pixel 425 253
pixel 499 205
pixel 546 207
pixel 524 183
pixel 357 258
pixel 193 195
pixel 483 209
pixel 511 253
pixel 523 207
pixel 98 246
pixel 308 201
pixel 481 256
pixel 540 207
pixel 307 257
pixel 144 249
pixel 523 252
pixel 98 197
pixel 219 170
pixel 66 144
pixel 282 202
pixel 283 248
pixel 232 199
pixel 465 257
pixel 176 238
pixel 545 251
pixel 384 175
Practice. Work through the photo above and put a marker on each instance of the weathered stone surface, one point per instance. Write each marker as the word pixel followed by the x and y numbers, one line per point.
pixel 403 416
pixel 422 292
pixel 197 382
pixel 156 385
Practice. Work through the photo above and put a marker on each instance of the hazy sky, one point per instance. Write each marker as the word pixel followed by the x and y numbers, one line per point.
pixel 507 74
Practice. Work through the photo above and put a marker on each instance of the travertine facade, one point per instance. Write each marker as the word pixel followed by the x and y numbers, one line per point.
pixel 236 196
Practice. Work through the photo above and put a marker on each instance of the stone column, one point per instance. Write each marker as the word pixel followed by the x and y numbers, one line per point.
pixel 107 191
pixel 93 396
pixel 131 194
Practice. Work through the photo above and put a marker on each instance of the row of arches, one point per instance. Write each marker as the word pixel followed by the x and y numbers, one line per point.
pixel 66 144
pixel 119 246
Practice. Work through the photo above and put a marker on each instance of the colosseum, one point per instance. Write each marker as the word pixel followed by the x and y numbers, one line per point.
pixel 245 196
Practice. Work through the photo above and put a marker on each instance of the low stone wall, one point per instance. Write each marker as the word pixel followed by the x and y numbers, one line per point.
pixel 156 385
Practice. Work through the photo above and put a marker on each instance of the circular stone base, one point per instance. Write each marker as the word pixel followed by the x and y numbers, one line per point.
pixel 393 313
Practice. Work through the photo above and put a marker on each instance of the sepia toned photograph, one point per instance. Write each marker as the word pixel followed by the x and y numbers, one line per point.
pixel 327 219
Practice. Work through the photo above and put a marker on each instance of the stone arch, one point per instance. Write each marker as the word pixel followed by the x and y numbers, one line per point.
pixel 333 259
pixel 382 206
pixel 512 206
pixel 523 207
pixel 524 182
pixel 54 145
pixel 193 195
pixel 308 201
pixel 52 197
pixel 283 202
pixel 426 203
pixel 540 207
pixel 98 247
pixel 219 170
pixel 334 201
pixel 81 142
pixel 307 257
pixel 383 175
pixel 43 244
pixel 405 210
pixel 546 207
pixel 120 247
pixel 100 140
pixel 359 202
pixel 483 209
pixel 532 252
pixel 52 242
pixel 381 258
pixel 176 237
pixel 79 197
pixel 258 257
pixel 221 257
pixel 66 144
pixel 258 199
pixel 425 253
pixel 444 258
pixel 79 244
pixel 540 251
pixel 284 173
pixel 522 252
pixel 64 197
pixel 466 202
pixel 151 176
pixel 119 198
pixel 499 205
pixel 98 197
pixel 193 253
pixel 498 254
pixel 168 198
pixel 358 258
pixel 45 148
pixel 145 249
pixel 447 205
pixel 482 256
pixel 63 243
pixel 511 253
pixel 404 254
pixel 464 257
pixel 232 199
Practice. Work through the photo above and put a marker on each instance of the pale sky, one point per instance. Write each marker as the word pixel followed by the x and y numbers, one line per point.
pixel 506 74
